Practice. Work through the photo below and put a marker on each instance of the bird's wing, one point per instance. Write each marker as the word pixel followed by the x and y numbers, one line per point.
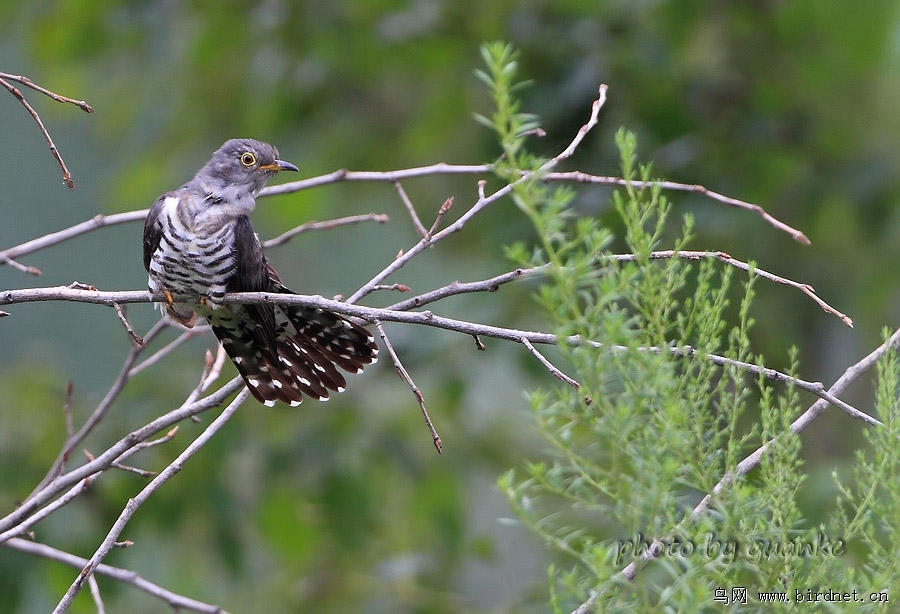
pixel 153 230
pixel 251 274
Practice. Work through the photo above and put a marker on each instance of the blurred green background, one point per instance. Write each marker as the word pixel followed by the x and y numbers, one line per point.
pixel 346 507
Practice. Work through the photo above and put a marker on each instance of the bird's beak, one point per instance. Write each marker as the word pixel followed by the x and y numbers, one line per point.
pixel 278 165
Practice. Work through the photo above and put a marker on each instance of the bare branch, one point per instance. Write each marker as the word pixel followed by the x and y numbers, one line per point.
pixel 98 221
pixel 681 187
pixel 582 132
pixel 552 368
pixel 25 524
pixel 95 594
pixel 95 418
pixel 31 270
pixel 135 338
pixel 394 287
pixel 456 287
pixel 482 202
pixel 29 83
pixel 283 238
pixel 5 82
pixel 425 318
pixel 404 375
pixel 63 481
pixel 338 176
pixel 417 223
pixel 190 333
pixel 125 576
pixel 134 503
pixel 723 257
pixel 67 410
pixel 445 207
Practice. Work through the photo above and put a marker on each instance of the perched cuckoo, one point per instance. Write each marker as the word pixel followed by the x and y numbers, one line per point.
pixel 199 244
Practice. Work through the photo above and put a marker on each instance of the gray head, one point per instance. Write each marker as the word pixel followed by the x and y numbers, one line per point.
pixel 243 165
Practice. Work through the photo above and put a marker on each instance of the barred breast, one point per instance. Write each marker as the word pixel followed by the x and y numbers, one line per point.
pixel 188 262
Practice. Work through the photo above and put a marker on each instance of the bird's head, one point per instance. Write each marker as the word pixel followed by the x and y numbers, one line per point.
pixel 243 164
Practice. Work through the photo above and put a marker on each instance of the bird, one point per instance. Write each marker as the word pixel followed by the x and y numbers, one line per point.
pixel 199 244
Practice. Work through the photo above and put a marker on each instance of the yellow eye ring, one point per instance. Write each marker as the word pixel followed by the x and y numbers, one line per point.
pixel 248 159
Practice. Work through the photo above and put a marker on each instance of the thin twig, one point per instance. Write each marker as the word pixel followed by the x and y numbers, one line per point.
pixel 31 270
pixel 727 259
pixel 445 207
pixel 144 473
pixel 554 371
pixel 98 221
pixel 283 238
pixel 417 223
pixel 404 375
pixel 582 132
pixel 452 289
pixel 95 595
pixel 211 370
pixel 186 335
pixel 64 99
pixel 135 338
pixel 125 576
pixel 47 492
pixel 5 82
pixel 394 287
pixel 681 187
pixel 338 176
pixel 482 202
pixel 135 502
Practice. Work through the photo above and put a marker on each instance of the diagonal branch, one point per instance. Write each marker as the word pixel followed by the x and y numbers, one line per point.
pixel 482 202
pixel 404 375
pixel 52 488
pixel 5 79
pixel 173 600
pixel 134 503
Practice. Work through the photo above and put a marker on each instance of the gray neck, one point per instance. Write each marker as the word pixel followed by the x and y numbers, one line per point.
pixel 208 204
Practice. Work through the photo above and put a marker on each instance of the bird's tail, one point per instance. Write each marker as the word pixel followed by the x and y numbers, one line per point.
pixel 301 356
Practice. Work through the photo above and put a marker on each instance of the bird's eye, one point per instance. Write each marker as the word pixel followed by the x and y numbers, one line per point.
pixel 248 159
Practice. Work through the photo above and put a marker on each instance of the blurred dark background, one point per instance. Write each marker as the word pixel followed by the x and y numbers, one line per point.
pixel 346 507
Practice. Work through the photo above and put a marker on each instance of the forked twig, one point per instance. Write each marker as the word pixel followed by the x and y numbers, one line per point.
pixel 134 503
pixel 5 79
pixel 126 576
